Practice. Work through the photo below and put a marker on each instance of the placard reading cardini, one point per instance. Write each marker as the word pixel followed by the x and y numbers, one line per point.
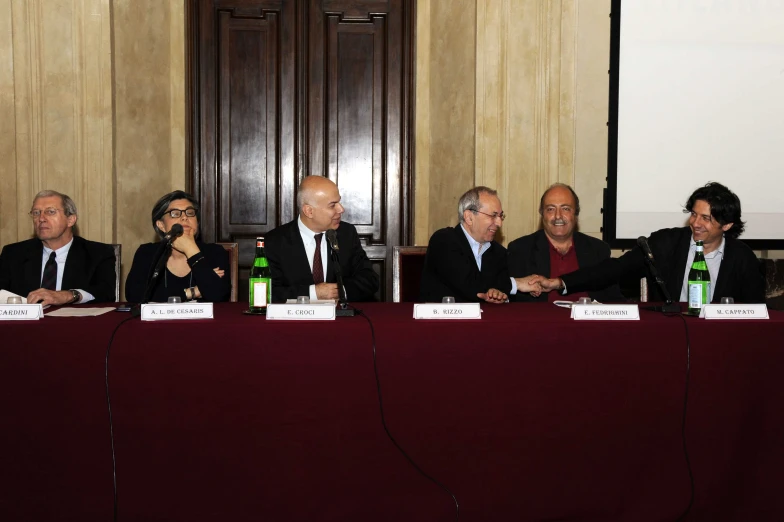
pixel 447 311
pixel 20 312
pixel 735 311
pixel 301 312
pixel 174 311
pixel 605 312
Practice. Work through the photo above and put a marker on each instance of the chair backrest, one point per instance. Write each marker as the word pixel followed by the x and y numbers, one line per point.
pixel 234 262
pixel 407 265
pixel 117 267
pixel 773 272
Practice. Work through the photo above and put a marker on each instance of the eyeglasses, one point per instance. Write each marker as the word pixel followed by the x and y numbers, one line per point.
pixel 494 215
pixel 176 212
pixel 48 212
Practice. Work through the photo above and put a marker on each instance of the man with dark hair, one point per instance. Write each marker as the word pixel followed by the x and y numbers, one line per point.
pixel 715 219
pixel 558 248
pixel 465 262
pixel 57 267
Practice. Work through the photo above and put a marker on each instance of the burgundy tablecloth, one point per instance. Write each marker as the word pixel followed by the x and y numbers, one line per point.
pixel 524 415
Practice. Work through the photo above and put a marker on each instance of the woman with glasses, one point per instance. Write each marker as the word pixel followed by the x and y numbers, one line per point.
pixel 194 270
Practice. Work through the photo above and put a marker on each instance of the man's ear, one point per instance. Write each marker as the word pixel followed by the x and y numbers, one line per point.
pixel 71 220
pixel 727 226
pixel 307 210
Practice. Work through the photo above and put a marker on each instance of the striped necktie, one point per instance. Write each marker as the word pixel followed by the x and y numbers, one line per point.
pixel 49 279
pixel 318 267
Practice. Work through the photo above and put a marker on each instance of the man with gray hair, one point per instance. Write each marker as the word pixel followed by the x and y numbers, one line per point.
pixel 299 256
pixel 57 267
pixel 465 262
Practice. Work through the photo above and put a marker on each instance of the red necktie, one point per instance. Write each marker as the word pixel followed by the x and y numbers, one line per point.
pixel 318 267
pixel 49 279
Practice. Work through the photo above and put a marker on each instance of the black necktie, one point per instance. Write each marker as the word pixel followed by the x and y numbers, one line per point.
pixel 318 267
pixel 49 279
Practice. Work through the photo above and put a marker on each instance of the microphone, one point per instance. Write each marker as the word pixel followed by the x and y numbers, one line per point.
pixel 161 256
pixel 174 232
pixel 669 307
pixel 332 237
pixel 343 309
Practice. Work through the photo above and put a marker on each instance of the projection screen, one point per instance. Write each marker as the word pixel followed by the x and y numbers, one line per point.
pixel 696 95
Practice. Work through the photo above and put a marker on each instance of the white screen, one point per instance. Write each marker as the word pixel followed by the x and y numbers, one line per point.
pixel 701 98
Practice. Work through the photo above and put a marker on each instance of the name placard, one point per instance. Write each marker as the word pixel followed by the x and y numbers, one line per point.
pixel 176 311
pixel 301 312
pixel 734 311
pixel 605 312
pixel 447 311
pixel 20 312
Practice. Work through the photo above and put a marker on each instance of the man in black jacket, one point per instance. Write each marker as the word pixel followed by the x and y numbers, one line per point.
pixel 558 248
pixel 300 258
pixel 57 267
pixel 715 219
pixel 465 262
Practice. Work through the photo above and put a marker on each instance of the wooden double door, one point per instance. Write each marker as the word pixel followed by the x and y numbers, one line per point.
pixel 284 89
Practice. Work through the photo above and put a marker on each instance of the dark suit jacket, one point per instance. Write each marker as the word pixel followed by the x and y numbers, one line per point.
pixel 739 276
pixel 213 289
pixel 531 255
pixel 450 268
pixel 291 273
pixel 89 267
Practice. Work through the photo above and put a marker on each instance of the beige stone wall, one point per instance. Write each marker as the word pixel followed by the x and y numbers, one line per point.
pixel 92 104
pixel 511 94
pixel 56 112
pixel 149 79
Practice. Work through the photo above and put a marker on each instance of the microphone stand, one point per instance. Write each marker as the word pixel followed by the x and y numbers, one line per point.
pixel 668 307
pixel 160 261
pixel 342 310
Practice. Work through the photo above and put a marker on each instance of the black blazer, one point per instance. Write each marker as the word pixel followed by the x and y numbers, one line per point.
pixel 291 273
pixel 213 288
pixel 450 268
pixel 531 255
pixel 89 267
pixel 739 276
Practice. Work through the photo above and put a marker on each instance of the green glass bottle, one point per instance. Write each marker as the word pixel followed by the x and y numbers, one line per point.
pixel 699 282
pixel 260 281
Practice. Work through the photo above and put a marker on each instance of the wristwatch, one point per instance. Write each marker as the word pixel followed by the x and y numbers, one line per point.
pixel 77 296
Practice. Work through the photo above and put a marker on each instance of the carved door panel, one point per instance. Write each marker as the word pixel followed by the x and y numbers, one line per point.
pixel 281 90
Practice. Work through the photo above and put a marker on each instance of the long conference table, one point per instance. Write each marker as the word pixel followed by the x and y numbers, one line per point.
pixel 523 415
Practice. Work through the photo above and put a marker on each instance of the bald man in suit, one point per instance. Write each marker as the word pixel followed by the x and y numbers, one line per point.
pixel 302 262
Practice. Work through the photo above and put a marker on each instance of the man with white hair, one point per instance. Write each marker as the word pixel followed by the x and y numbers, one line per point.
pixel 57 267
pixel 465 262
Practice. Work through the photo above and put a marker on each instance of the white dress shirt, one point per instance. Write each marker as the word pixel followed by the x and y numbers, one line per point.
pixel 309 240
pixel 61 254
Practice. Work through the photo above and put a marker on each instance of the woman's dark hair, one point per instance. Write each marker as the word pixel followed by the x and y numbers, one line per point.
pixel 160 207
pixel 724 205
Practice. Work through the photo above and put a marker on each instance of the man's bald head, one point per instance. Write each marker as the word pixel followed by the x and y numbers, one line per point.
pixel 318 200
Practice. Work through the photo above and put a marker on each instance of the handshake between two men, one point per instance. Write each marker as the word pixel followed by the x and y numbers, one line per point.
pixel 534 285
